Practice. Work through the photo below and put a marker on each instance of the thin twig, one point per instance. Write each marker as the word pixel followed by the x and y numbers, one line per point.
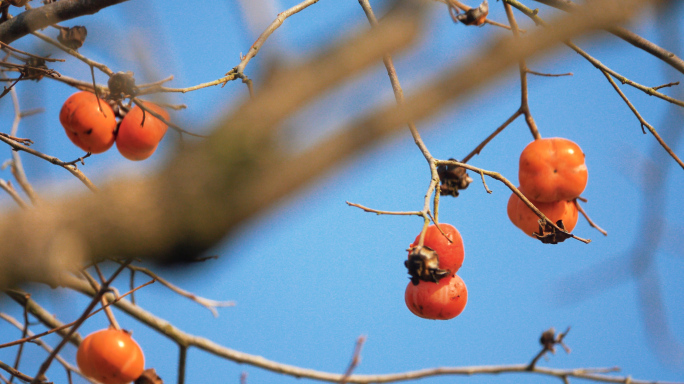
pixel 24 332
pixel 484 182
pixel 643 122
pixel 522 67
pixel 45 346
pixel 20 375
pixel 379 212
pixel 489 138
pixel 254 49
pixel 65 326
pixel 107 310
pixel 7 46
pixel 399 96
pixel 142 106
pixel 548 74
pixel 591 223
pixel 71 168
pixel 666 85
pixel 211 305
pixel 668 57
pixel 74 53
pixel 648 90
pixel 356 359
pixel 7 187
pixel 17 165
pixel 96 299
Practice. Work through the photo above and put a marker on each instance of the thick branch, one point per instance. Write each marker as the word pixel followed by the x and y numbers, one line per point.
pixel 188 340
pixel 39 18
pixel 212 186
pixel 628 36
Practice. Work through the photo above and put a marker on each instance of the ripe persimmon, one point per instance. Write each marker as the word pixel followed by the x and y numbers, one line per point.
pixel 552 170
pixel 138 139
pixel 450 253
pixel 110 356
pixel 523 217
pixel 89 127
pixel 443 300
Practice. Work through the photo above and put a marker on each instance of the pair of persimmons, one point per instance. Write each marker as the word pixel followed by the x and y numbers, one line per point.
pixel 552 175
pixel 91 125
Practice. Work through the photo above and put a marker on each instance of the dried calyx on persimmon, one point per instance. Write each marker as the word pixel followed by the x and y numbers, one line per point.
pixel 73 37
pixel 452 179
pixel 149 376
pixel 122 84
pixel 548 234
pixel 441 254
pixel 473 16
pixel 423 264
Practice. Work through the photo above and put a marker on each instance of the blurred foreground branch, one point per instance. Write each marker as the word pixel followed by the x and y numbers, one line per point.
pixel 211 187
pixel 39 18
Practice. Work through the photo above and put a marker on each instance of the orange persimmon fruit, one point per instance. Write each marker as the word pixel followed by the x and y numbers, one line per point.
pixel 92 129
pixel 442 300
pixel 110 356
pixel 552 170
pixel 523 217
pixel 138 139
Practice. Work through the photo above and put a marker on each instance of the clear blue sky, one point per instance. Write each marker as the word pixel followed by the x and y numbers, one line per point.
pixel 313 274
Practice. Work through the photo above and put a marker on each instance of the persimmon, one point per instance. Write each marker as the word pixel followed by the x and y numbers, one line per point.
pixel 138 139
pixel 552 170
pixel 523 217
pixel 449 248
pixel 443 300
pixel 110 356
pixel 92 129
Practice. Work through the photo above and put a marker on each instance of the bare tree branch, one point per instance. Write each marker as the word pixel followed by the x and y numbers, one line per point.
pixel 180 212
pixel 39 18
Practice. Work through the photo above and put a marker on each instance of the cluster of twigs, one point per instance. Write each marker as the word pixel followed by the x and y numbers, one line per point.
pixel 200 228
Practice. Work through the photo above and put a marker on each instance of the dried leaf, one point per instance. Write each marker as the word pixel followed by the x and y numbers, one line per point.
pixel 73 37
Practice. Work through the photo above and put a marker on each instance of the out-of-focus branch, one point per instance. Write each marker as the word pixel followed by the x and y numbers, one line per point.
pixel 643 122
pixel 651 91
pixel 17 165
pixel 39 18
pixel 45 346
pixel 212 186
pixel 206 190
pixel 628 36
pixel 42 315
